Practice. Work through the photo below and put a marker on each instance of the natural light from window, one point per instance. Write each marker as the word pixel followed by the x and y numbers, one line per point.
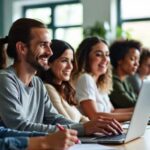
pixel 135 9
pixel 139 28
pixel 72 35
pixel 68 15
pixel 64 23
pixel 139 31
pixel 43 14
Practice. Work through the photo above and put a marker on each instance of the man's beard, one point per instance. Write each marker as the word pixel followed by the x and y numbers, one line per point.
pixel 33 61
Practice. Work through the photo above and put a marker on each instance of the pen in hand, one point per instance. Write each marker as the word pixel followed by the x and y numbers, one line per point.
pixel 61 128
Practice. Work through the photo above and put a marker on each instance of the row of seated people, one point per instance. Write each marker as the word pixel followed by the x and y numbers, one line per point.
pixel 24 101
pixel 92 79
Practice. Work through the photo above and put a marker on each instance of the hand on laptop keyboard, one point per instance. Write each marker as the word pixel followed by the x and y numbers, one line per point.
pixel 103 125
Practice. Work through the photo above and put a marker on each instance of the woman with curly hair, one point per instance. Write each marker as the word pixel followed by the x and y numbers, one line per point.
pixel 94 81
pixel 125 55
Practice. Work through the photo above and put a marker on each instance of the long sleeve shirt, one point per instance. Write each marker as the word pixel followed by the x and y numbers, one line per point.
pixel 123 95
pixel 63 107
pixel 29 107
pixel 15 140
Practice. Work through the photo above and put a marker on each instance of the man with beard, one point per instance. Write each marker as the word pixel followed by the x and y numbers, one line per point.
pixel 24 102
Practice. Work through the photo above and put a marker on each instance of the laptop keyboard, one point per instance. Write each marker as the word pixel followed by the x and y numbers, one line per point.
pixel 102 139
pixel 113 137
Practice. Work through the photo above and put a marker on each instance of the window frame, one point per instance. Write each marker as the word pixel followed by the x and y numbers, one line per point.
pixel 53 5
pixel 120 20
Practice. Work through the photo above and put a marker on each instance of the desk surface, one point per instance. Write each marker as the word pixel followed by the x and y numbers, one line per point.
pixel 142 143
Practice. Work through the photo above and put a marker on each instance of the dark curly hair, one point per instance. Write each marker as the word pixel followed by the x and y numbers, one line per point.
pixel 120 48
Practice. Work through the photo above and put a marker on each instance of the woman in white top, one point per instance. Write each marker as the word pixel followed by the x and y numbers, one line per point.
pixel 94 81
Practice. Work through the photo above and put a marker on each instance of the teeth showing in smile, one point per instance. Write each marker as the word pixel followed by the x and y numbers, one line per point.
pixel 102 66
pixel 67 72
pixel 45 60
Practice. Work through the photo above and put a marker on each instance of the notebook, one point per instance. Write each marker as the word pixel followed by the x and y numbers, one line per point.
pixel 138 121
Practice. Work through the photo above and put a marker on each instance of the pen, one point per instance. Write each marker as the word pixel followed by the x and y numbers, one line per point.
pixel 61 128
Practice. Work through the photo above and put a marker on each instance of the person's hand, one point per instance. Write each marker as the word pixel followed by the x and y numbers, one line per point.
pixel 62 140
pixel 103 125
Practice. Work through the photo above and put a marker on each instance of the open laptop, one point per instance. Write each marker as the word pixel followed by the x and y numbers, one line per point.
pixel 138 121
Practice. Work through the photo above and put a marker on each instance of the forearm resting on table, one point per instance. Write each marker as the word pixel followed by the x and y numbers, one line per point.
pixel 118 116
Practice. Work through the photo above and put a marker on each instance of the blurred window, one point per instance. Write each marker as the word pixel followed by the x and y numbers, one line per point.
pixel 134 17
pixel 64 20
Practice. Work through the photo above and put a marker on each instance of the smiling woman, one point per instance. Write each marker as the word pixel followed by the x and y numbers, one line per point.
pixel 62 64
pixel 94 81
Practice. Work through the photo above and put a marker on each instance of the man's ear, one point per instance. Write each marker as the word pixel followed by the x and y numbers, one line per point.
pixel 21 48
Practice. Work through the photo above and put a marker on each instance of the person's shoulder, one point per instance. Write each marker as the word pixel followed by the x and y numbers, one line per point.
pixel 117 83
pixel 85 80
pixel 38 83
pixel 49 86
pixel 7 73
pixel 85 76
pixel 37 79
pixel 3 72
pixel 52 92
pixel 116 80
pixel 51 89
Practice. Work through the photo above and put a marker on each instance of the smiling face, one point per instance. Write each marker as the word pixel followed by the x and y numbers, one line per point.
pixel 39 49
pixel 99 59
pixel 129 64
pixel 62 67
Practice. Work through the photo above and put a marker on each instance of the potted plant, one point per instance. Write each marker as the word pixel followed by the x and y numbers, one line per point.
pixel 98 29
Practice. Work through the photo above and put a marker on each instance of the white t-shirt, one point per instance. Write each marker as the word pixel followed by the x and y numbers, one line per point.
pixel 86 88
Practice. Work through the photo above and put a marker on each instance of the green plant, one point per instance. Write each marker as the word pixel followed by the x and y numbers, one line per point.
pixel 98 29
pixel 121 33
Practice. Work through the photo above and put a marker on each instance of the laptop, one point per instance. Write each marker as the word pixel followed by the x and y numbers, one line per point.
pixel 138 121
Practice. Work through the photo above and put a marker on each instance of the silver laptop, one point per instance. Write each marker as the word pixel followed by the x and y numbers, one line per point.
pixel 138 121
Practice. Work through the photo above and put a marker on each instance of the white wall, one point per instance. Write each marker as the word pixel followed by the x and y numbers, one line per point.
pixel 102 11
pixel 7 15
pixel 13 10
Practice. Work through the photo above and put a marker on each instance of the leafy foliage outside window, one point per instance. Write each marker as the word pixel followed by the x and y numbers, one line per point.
pixel 103 30
pixel 97 30
pixel 121 33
